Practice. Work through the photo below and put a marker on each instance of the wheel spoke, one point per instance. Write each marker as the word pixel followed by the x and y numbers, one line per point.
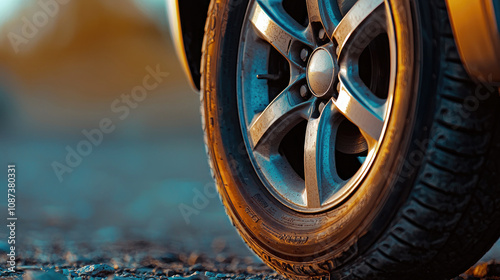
pixel 278 28
pixel 360 25
pixel 317 154
pixel 313 144
pixel 361 106
pixel 281 115
pixel 323 11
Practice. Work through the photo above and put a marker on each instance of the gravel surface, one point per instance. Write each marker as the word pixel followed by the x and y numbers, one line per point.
pixel 143 260
pixel 137 260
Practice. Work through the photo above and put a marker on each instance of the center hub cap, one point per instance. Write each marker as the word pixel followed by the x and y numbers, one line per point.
pixel 322 71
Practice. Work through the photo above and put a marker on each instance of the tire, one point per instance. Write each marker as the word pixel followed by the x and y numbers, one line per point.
pixel 428 204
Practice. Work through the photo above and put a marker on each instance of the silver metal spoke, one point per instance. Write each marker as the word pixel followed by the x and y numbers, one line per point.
pixel 278 28
pixel 282 114
pixel 351 28
pixel 358 104
pixel 322 11
pixel 314 143
pixel 313 11
pixel 317 154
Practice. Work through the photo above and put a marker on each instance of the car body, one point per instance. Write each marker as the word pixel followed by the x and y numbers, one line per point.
pixel 476 27
pixel 187 24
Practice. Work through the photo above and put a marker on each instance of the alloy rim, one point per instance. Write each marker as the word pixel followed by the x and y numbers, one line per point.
pixel 315 92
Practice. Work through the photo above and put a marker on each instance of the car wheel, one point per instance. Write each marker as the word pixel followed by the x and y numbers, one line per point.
pixel 346 139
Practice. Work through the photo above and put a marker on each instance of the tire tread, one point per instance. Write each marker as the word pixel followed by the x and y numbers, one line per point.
pixel 448 197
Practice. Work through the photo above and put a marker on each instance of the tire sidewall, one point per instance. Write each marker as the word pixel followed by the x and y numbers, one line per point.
pixel 292 242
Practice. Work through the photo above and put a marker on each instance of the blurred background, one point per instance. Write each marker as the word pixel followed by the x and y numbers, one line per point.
pixel 61 71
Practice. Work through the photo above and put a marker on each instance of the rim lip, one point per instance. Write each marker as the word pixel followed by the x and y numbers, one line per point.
pixel 351 184
pixel 333 78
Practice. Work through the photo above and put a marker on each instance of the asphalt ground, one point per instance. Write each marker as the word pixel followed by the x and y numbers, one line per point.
pixel 144 260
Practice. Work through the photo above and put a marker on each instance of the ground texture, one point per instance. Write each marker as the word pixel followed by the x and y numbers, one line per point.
pixel 143 260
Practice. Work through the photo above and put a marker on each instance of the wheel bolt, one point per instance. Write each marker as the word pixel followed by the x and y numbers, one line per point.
pixel 321 106
pixel 322 34
pixel 304 92
pixel 304 53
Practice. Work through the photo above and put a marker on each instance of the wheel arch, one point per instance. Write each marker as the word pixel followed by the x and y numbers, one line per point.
pixel 476 28
pixel 187 23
